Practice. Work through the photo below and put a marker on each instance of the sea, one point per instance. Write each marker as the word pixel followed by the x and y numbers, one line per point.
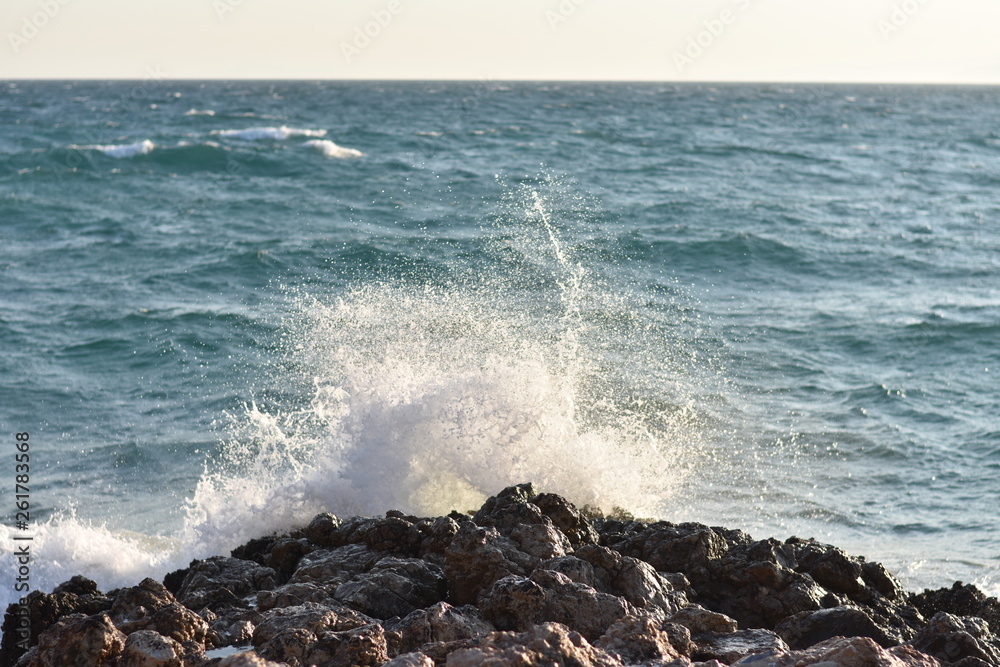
pixel 228 306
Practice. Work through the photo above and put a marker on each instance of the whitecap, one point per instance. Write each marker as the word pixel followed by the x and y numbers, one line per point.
pixel 330 149
pixel 119 151
pixel 199 112
pixel 264 133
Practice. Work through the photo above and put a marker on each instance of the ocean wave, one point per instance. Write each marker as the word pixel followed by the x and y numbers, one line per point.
pixel 330 149
pixel 268 133
pixel 200 112
pixel 119 151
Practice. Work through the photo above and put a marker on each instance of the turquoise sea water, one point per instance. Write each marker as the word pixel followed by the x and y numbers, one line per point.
pixel 228 306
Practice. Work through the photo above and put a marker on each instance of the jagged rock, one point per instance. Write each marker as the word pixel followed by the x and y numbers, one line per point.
pixel 959 600
pixel 509 509
pixel 702 621
pixel 567 518
pixel 309 617
pixel 42 611
pixel 219 582
pixel 394 534
pixel 360 647
pixel 394 587
pixel 321 529
pixel 516 603
pixel 246 659
pixel 811 627
pixel 331 567
pixel 952 638
pixel 416 659
pixel 438 534
pixel 637 638
pixel 632 579
pixel 150 606
pixel 679 637
pixel 727 648
pixel 541 646
pixel 80 641
pixel 846 652
pixel 233 627
pixel 285 554
pixel 146 648
pixel 439 623
pixel 541 540
pixel 292 595
pixel 477 557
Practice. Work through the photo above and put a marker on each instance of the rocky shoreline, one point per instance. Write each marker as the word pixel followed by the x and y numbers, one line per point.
pixel 526 580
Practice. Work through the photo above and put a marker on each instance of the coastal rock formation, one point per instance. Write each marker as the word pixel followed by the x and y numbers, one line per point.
pixel 528 579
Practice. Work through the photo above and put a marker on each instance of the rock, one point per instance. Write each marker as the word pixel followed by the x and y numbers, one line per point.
pixel 245 659
pixel 632 579
pixel 541 540
pixel 233 627
pixel 635 639
pixel 516 603
pixel 952 638
pixel 322 528
pixel 416 659
pixel 43 611
pixel 959 600
pixel 81 641
pixel 831 568
pixel 361 646
pixel 567 518
pixel 847 652
pixel 439 623
pixel 477 557
pixel 285 554
pixel 702 621
pixel 511 513
pixel 150 606
pixel 394 535
pixel 292 595
pixel 310 618
pixel 728 648
pixel 438 534
pixel 331 567
pixel 146 648
pixel 541 646
pixel 811 627
pixel 394 587
pixel 221 582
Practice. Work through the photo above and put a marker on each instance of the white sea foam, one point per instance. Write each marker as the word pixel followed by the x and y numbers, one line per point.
pixel 120 150
pixel 199 112
pixel 268 133
pixel 330 149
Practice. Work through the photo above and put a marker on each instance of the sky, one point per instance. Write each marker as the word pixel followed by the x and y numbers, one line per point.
pixel 877 41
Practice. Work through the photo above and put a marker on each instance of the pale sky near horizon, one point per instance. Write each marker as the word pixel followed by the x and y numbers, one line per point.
pixel 908 41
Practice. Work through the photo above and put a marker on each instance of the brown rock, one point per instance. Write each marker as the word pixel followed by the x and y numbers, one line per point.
pixel 477 557
pixel 846 652
pixel 439 623
pixel 637 638
pixel 146 648
pixel 219 582
pixel 542 646
pixel 953 638
pixel 81 641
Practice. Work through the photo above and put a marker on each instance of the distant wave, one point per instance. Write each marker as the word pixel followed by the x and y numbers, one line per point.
pixel 199 112
pixel 119 151
pixel 264 133
pixel 330 149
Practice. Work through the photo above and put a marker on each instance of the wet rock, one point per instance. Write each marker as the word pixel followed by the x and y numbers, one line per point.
pixel 541 540
pixel 285 554
pixel 80 641
pixel 959 600
pixel 953 638
pixel 233 627
pixel 635 639
pixel 146 648
pixel 331 567
pixel 702 621
pixel 832 569
pixel 150 606
pixel 477 557
pixel 221 582
pixel 728 648
pixel 439 623
pixel 394 587
pixel 541 646
pixel 438 534
pixel 847 652
pixel 322 528
pixel 811 627
pixel 517 603
pixel 632 579
pixel 567 518
pixel 395 535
